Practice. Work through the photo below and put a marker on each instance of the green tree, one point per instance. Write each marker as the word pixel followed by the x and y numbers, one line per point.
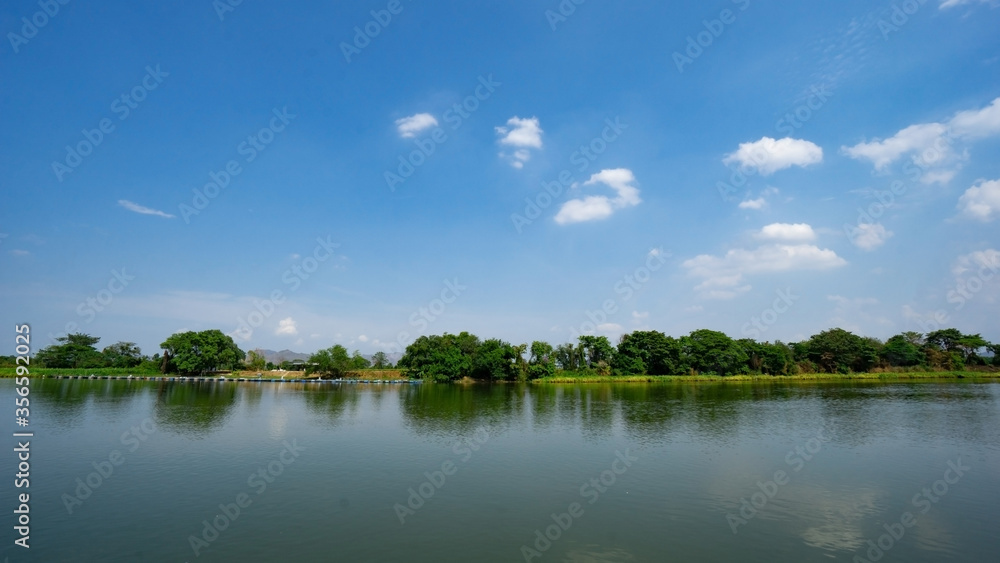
pixel 359 362
pixel 520 361
pixel 945 339
pixel 122 355
pixel 542 362
pixel 840 351
pixel 201 352
pixel 495 360
pixel 255 360
pixel 970 345
pixel 902 350
pixel 568 357
pixel 332 362
pixel 447 357
pixel 597 353
pixel 72 351
pixel 380 360
pixel 713 353
pixel 767 358
pixel 648 352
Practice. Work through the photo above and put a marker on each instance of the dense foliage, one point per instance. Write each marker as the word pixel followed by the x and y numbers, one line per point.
pixel 201 352
pixel 79 351
pixel 450 357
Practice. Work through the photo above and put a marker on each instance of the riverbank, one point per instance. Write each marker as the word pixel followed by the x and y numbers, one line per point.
pixel 804 377
pixel 368 374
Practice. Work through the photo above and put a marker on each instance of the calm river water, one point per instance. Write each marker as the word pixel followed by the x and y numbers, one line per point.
pixel 227 471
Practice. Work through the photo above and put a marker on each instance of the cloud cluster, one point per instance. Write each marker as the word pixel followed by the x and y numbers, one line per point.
pixel 768 155
pixel 409 127
pixel 869 236
pixel 760 202
pixel 723 276
pixel 287 327
pixel 787 232
pixel 596 207
pixel 981 201
pixel 931 145
pixel 522 135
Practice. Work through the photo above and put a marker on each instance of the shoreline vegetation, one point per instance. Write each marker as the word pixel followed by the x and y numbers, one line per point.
pixel 640 356
pixel 757 378
pixel 564 378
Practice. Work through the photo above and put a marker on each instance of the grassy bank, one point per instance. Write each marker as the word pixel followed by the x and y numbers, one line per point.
pixel 383 374
pixel 888 377
pixel 39 372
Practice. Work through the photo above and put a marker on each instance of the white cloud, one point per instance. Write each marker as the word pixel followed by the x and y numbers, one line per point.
pixel 945 4
pixel 977 261
pixel 977 124
pixel 654 252
pixel 593 208
pixel 931 145
pixel 523 134
pixel 287 326
pixel 143 210
pixel 637 316
pixel 723 276
pixel 761 201
pixel 19 252
pixel 787 232
pixel 409 126
pixel 982 201
pixel 363 338
pixel 920 139
pixel 768 156
pixel 869 236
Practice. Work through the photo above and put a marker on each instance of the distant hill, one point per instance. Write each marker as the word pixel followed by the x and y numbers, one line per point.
pixel 284 356
pixel 289 356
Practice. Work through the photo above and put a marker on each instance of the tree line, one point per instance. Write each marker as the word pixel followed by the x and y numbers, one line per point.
pixel 450 357
pixel 188 353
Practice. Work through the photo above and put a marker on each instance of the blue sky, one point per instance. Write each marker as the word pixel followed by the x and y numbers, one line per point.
pixel 763 169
